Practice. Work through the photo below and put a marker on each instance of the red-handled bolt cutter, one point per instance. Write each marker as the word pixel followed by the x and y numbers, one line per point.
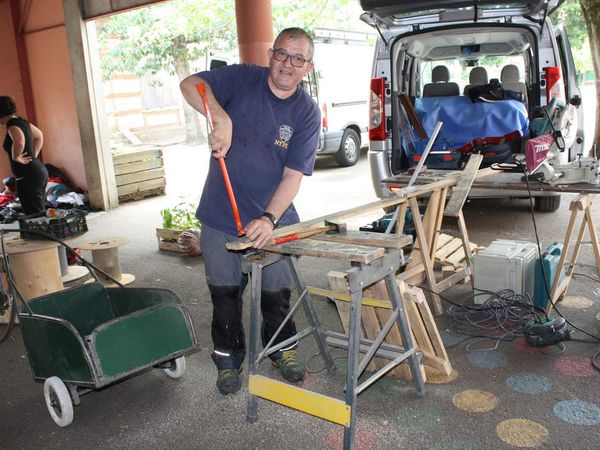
pixel 236 214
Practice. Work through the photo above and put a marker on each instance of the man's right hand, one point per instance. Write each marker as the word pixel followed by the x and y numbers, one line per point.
pixel 219 141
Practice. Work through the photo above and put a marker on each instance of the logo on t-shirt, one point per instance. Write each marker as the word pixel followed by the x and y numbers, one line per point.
pixel 285 134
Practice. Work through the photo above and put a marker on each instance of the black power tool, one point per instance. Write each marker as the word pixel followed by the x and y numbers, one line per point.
pixel 549 331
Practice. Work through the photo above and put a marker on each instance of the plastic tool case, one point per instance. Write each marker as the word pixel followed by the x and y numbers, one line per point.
pixel 505 264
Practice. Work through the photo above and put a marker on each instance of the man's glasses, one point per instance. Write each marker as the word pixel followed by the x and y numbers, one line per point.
pixel 281 55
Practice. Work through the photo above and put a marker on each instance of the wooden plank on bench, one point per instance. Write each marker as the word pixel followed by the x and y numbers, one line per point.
pixel 368 239
pixel 332 250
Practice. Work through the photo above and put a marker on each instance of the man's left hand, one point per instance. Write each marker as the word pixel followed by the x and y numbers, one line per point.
pixel 260 231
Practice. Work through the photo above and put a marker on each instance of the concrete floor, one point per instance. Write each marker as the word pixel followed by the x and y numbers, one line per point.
pixel 511 397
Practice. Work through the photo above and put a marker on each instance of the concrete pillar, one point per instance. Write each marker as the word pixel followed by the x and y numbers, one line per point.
pixel 99 169
pixel 255 30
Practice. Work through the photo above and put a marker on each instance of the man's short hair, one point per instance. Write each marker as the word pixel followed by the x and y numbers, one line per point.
pixel 7 106
pixel 296 33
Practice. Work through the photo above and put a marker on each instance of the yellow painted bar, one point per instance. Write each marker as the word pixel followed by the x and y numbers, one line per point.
pixel 347 298
pixel 319 405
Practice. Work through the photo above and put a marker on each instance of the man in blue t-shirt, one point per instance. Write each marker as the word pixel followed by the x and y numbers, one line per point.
pixel 268 128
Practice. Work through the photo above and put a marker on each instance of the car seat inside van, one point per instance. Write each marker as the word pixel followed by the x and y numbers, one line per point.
pixel 513 46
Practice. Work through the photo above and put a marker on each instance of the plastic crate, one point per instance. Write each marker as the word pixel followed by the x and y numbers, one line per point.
pixel 60 228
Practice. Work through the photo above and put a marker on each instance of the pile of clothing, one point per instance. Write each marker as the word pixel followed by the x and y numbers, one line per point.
pixel 60 193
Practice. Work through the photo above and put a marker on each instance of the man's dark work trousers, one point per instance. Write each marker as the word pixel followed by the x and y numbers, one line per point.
pixel 274 307
pixel 228 331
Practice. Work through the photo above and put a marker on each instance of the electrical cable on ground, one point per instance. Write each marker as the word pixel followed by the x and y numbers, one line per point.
pixel 314 355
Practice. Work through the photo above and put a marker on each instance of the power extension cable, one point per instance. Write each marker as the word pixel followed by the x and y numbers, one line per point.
pixel 546 332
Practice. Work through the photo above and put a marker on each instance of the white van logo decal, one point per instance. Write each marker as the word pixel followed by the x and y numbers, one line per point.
pixel 285 134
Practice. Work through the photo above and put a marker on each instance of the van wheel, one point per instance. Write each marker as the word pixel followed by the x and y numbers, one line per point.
pixel 547 204
pixel 349 150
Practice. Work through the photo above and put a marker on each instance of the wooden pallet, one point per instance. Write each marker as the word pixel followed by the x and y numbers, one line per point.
pixel 424 330
pixel 139 174
pixel 451 253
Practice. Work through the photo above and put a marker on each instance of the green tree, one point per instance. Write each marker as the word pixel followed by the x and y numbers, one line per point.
pixel 309 14
pixel 167 37
pixel 570 17
pixel 590 10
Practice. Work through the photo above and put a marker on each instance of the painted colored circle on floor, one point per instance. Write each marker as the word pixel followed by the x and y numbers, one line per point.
pixel 520 344
pixel 421 419
pixel 435 377
pixel 575 366
pixel 578 412
pixel 489 359
pixel 309 380
pixel 576 302
pixel 528 383
pixel 364 439
pixel 450 338
pixel 522 433
pixel 474 400
pixel 384 390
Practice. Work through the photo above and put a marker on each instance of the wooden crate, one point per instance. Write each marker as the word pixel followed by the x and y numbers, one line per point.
pixel 168 240
pixel 139 174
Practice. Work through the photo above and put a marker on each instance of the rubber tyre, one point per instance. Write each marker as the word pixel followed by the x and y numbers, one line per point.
pixel 349 151
pixel 547 204
pixel 7 314
pixel 58 401
pixel 178 369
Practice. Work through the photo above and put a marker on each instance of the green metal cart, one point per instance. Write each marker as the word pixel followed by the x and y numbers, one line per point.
pixel 91 336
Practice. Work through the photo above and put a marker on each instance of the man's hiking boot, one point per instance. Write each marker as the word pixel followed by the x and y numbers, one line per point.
pixel 229 381
pixel 289 366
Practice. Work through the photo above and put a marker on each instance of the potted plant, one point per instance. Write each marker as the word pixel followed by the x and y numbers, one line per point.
pixel 180 230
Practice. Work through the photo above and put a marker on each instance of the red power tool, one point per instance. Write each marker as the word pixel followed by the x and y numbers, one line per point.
pixel 236 214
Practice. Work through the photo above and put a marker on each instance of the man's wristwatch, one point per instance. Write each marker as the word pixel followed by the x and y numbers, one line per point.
pixel 271 217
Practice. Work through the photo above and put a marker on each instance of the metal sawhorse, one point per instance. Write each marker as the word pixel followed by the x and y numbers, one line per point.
pixel 368 265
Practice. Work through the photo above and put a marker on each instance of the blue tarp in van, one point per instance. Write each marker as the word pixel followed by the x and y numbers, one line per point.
pixel 465 121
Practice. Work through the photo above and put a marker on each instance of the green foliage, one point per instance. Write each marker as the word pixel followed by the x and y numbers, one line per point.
pixel 569 16
pixel 180 217
pixel 309 14
pixel 161 36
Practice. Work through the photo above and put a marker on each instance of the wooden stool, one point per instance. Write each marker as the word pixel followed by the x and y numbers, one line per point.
pixel 105 255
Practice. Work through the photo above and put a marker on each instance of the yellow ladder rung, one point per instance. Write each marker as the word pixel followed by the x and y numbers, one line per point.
pixel 366 301
pixel 319 405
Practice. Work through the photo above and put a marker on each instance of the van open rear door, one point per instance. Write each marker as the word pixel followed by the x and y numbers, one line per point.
pixel 569 76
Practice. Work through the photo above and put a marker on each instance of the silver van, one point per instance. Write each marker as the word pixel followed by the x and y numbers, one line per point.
pixel 432 54
pixel 339 83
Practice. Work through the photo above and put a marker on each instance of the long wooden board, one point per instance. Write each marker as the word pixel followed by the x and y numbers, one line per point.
pixel 331 250
pixel 367 238
pixel 417 190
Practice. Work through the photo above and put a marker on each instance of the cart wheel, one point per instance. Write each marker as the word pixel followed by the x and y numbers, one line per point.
pixel 58 401
pixel 177 369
